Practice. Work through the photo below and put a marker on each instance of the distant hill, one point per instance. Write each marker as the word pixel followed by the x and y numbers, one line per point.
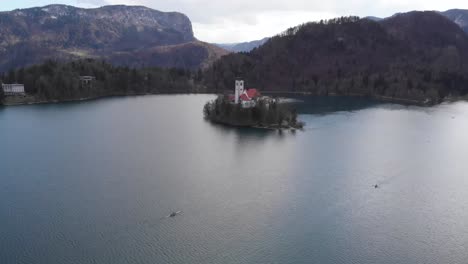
pixel 459 16
pixel 416 56
pixel 119 34
pixel 373 18
pixel 243 46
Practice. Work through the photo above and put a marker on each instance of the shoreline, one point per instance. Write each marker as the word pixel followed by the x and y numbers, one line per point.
pixel 382 98
pixel 33 101
pixel 84 99
pixel 256 126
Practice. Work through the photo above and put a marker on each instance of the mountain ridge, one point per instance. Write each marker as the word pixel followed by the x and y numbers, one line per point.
pixel 243 46
pixel 459 16
pixel 416 56
pixel 62 32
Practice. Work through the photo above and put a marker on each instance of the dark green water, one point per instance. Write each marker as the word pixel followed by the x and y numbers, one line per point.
pixel 92 182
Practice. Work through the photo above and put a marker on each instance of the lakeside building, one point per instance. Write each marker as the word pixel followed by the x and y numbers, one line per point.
pixel 13 89
pixel 87 79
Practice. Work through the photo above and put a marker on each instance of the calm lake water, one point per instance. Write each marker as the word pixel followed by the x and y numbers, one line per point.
pixel 93 182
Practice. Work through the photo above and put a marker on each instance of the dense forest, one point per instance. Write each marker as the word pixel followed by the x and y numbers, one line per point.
pixel 61 81
pixel 417 56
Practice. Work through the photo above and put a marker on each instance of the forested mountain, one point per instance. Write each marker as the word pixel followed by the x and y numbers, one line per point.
pixel 413 56
pixel 243 46
pixel 127 35
pixel 373 18
pixel 459 16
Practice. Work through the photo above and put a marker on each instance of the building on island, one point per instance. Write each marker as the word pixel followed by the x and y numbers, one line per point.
pixel 238 90
pixel 13 89
pixel 247 98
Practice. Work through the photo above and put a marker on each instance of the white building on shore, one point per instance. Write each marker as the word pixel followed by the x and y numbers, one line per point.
pixel 13 89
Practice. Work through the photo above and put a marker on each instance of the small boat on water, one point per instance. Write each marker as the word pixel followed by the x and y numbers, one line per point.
pixel 174 214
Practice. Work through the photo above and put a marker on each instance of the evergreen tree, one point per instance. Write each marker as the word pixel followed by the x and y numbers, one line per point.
pixel 2 95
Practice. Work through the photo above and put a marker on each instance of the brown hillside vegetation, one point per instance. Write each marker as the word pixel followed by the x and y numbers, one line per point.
pixel 189 55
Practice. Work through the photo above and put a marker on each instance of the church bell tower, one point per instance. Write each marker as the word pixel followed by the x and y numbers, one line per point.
pixel 239 90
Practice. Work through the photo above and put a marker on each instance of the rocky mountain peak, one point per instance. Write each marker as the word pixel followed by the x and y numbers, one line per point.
pixel 31 35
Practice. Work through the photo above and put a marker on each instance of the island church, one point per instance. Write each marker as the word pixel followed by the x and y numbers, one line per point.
pixel 247 98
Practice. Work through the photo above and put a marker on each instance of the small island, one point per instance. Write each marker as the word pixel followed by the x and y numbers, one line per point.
pixel 248 108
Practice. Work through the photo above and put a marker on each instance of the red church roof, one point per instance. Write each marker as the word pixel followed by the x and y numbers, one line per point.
pixel 244 97
pixel 249 95
pixel 252 93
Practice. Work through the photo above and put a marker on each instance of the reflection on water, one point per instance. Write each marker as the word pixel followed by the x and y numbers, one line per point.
pixel 321 105
pixel 249 133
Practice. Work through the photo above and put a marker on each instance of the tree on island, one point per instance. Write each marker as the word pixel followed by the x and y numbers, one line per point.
pixel 2 95
pixel 267 113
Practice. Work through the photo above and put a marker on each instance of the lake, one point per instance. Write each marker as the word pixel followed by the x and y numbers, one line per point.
pixel 93 182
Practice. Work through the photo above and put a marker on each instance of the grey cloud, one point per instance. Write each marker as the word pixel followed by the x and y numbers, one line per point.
pixel 246 11
pixel 245 15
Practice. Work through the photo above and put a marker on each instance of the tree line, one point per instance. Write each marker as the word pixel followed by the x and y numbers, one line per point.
pixel 2 95
pixel 55 80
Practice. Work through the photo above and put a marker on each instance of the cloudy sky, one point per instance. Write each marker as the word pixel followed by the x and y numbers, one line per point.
pixel 225 21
